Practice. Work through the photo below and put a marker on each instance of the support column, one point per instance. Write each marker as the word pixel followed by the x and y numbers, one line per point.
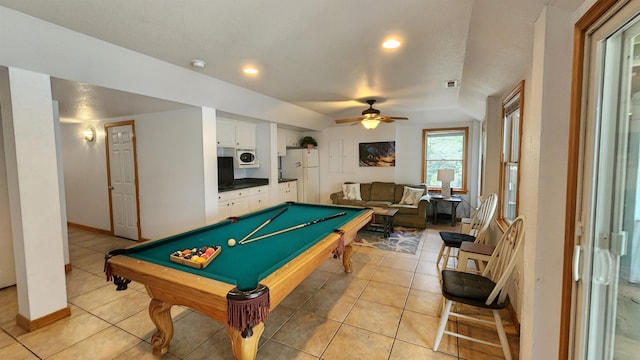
pixel 210 165
pixel 544 155
pixel 34 197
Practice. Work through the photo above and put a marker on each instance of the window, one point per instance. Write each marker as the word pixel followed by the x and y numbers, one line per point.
pixel 445 149
pixel 509 175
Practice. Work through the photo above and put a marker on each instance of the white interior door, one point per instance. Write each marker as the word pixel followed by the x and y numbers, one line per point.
pixel 122 181
pixel 607 300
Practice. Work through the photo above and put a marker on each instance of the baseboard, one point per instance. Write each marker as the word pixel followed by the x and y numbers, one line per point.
pixel 31 325
pixel 514 318
pixel 89 228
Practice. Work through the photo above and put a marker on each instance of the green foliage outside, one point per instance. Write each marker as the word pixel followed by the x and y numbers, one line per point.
pixel 445 152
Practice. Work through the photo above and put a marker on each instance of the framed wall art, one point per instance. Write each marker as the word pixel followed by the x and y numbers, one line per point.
pixel 377 153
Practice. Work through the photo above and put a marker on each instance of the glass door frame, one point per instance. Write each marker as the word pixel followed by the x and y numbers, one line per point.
pixel 575 220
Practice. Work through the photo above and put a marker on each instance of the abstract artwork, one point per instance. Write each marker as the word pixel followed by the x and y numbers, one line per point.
pixel 377 153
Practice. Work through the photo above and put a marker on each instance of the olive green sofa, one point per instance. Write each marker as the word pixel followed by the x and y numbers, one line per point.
pixel 388 194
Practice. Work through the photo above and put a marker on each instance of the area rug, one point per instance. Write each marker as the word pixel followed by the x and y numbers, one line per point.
pixel 402 240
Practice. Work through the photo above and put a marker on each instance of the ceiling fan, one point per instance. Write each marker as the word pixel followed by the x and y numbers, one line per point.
pixel 371 117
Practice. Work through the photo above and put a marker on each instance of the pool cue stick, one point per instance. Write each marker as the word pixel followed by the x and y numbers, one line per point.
pixel 263 225
pixel 299 226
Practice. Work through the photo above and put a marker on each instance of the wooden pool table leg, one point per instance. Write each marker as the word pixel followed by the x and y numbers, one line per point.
pixel 160 313
pixel 245 348
pixel 346 258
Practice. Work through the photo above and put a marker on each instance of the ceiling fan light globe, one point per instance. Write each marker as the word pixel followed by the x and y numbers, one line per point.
pixel 370 123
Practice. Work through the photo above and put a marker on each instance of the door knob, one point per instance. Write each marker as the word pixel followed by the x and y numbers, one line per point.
pixel 110 187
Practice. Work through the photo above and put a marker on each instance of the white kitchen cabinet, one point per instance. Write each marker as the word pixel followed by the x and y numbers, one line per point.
pixel 233 203
pixel 226 134
pixel 240 202
pixel 258 197
pixel 288 191
pixel 282 142
pixel 245 135
pixel 235 134
pixel 293 139
pixel 233 207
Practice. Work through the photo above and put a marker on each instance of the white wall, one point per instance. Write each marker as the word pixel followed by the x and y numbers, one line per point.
pixel 170 169
pixel 543 180
pixel 85 176
pixel 30 43
pixel 63 202
pixel 493 129
pixel 536 297
pixel 543 189
pixel 171 176
pixel 7 264
pixel 351 136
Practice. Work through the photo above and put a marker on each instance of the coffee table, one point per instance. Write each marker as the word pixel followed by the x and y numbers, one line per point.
pixel 383 219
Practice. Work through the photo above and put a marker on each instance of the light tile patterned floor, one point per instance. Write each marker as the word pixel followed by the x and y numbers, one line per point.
pixel 386 309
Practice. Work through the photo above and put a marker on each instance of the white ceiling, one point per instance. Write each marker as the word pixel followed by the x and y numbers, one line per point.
pixel 322 55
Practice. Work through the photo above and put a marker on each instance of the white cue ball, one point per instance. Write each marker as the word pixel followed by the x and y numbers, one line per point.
pixel 231 242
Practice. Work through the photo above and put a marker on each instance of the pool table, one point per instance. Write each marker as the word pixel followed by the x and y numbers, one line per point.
pixel 246 281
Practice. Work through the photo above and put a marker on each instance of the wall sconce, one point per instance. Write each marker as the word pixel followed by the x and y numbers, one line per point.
pixel 89 134
pixel 446 176
pixel 370 123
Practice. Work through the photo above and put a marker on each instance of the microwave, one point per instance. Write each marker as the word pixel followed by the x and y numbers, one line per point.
pixel 246 158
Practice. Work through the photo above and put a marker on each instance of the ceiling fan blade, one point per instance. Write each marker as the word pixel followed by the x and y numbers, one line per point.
pixel 390 119
pixel 348 120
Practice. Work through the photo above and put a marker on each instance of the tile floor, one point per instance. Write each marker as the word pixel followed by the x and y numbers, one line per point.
pixel 386 309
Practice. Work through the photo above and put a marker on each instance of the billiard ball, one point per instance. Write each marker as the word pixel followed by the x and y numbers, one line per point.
pixel 231 242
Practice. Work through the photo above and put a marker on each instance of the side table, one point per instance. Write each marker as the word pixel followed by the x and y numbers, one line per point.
pixel 453 201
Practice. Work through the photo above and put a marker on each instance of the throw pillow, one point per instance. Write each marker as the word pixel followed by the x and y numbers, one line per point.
pixel 411 196
pixel 351 191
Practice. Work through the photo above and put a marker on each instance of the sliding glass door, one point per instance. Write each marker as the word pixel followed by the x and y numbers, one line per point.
pixel 607 265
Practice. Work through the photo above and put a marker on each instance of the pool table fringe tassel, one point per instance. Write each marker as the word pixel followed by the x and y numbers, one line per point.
pixel 340 249
pixel 245 309
pixel 120 282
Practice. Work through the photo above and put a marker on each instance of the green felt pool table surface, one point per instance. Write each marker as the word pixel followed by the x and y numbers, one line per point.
pixel 245 265
pixel 242 285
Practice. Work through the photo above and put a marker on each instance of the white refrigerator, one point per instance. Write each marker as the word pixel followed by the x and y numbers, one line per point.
pixel 302 164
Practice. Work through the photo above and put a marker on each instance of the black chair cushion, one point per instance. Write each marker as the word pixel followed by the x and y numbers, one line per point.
pixel 467 288
pixel 454 239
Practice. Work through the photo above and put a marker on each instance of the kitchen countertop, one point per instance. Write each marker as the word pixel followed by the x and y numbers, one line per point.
pixel 243 184
pixel 249 183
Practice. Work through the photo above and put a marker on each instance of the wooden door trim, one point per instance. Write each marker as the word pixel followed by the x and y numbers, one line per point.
pixel 594 14
pixel 135 169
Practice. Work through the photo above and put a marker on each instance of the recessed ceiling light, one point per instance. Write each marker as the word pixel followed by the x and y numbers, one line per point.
pixel 196 63
pixel 391 44
pixel 250 70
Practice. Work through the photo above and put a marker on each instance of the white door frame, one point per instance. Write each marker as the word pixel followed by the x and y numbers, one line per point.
pixel 135 168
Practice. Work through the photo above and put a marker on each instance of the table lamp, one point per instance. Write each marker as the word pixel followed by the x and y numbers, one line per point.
pixel 445 176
